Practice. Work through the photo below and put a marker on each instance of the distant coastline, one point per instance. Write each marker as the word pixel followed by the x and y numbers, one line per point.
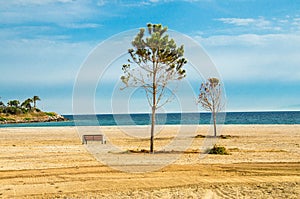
pixel 31 118
pixel 14 112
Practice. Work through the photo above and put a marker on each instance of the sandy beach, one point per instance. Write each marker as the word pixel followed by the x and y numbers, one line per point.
pixel 264 162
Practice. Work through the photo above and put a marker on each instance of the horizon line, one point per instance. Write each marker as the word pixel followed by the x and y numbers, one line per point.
pixel 133 113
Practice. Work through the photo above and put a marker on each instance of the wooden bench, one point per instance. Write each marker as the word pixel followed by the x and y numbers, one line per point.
pixel 99 137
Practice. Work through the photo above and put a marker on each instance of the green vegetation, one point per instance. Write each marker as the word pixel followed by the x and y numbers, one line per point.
pixel 14 108
pixel 16 112
pixel 3 119
pixel 157 61
pixel 6 119
pixel 218 150
pixel 34 99
pixel 51 114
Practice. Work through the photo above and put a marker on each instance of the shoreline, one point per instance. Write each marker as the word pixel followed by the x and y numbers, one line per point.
pixel 132 126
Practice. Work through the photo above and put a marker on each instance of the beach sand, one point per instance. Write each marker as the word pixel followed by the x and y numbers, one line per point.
pixel 51 162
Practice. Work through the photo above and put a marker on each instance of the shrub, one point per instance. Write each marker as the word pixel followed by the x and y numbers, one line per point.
pixel 24 110
pixel 200 136
pixel 225 136
pixel 218 150
pixel 2 119
pixel 13 110
pixel 51 114
pixel 138 151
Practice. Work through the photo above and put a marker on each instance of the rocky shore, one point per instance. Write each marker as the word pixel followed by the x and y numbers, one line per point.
pixel 31 119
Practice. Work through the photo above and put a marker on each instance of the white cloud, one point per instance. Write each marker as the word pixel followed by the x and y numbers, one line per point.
pixel 82 25
pixel 228 40
pixel 32 2
pixel 296 22
pixel 49 11
pixel 283 21
pixel 271 57
pixel 258 23
pixel 237 21
pixel 277 25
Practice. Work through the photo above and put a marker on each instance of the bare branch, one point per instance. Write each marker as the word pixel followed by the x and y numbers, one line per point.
pixel 210 98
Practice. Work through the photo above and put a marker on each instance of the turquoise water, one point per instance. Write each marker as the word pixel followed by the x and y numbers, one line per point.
pixel 286 117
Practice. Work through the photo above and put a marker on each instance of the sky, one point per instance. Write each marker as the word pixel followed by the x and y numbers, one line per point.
pixel 254 45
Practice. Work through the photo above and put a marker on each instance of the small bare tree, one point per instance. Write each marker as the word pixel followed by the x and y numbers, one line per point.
pixel 210 98
pixel 157 62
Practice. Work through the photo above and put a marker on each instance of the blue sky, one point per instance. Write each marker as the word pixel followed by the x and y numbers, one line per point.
pixel 254 45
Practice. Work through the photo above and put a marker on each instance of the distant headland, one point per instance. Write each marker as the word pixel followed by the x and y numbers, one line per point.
pixel 15 112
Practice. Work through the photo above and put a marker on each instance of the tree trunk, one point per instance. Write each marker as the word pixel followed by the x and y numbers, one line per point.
pixel 215 123
pixel 152 130
pixel 153 108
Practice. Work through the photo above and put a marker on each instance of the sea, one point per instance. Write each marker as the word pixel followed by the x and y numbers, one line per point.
pixel 279 117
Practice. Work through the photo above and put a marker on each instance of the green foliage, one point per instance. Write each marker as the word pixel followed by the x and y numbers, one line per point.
pixel 27 104
pixel 51 114
pixel 34 99
pixel 13 107
pixel 2 119
pixel 13 110
pixel 218 150
pixel 24 110
pixel 13 103
pixel 157 57
pixel 155 61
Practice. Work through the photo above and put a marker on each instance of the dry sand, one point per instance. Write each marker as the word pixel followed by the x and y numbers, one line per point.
pixel 52 163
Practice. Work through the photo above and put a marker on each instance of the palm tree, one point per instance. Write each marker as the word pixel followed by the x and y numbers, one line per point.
pixel 27 103
pixel 14 103
pixel 35 98
pixel 2 104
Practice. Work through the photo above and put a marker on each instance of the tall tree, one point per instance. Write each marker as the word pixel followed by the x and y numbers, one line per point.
pixel 27 103
pixel 210 98
pixel 13 103
pixel 2 104
pixel 157 61
pixel 35 98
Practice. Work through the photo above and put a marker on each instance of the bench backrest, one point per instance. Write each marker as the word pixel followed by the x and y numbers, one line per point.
pixel 98 137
